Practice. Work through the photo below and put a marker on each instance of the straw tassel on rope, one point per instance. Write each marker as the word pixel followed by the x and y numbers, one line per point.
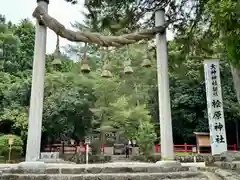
pixel 57 54
pixel 127 64
pixel 106 73
pixel 146 61
pixel 84 62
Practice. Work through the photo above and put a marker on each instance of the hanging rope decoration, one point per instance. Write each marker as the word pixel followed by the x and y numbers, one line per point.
pixel 90 37
pixel 146 61
pixel 57 54
pixel 127 64
pixel 84 62
pixel 106 73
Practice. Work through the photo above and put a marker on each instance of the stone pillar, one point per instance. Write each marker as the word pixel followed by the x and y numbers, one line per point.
pixel 37 91
pixel 163 91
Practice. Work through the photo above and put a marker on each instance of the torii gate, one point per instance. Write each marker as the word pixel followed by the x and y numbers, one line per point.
pixel 37 90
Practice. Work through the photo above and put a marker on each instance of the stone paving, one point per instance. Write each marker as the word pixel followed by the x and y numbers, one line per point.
pixel 115 164
pixel 107 171
pixel 108 176
pixel 224 174
pixel 212 176
pixel 116 171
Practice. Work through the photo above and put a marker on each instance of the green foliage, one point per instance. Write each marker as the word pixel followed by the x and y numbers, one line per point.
pixel 146 138
pixel 76 105
pixel 226 18
pixel 152 158
pixel 18 119
pixel 95 159
pixel 68 98
pixel 25 31
pixel 16 148
pixel 135 122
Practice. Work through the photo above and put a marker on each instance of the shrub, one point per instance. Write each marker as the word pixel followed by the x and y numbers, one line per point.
pixel 96 146
pixel 99 159
pixel 94 159
pixel 16 148
pixel 146 137
pixel 147 158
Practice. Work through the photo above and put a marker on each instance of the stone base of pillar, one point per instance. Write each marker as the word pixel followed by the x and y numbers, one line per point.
pixel 168 163
pixel 32 165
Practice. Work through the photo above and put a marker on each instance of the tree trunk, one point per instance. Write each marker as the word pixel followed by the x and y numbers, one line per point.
pixel 236 80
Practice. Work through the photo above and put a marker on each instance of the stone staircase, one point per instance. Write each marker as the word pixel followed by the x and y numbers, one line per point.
pixel 217 173
pixel 108 171
pixel 120 158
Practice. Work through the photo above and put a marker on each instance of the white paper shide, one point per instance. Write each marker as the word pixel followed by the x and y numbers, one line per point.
pixel 215 106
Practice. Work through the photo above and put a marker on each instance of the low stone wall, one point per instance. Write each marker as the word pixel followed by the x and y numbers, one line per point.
pixel 186 159
pixel 235 165
pixel 221 173
pixel 80 158
pixel 153 158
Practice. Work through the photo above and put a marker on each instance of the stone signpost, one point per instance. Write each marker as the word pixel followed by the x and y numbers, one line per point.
pixel 215 107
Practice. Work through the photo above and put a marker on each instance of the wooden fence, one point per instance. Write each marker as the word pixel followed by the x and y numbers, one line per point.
pixel 189 148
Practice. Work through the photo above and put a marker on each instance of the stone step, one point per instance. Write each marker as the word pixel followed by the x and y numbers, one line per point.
pixel 195 178
pixel 102 176
pixel 220 174
pixel 121 158
pixel 85 169
pixel 211 176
